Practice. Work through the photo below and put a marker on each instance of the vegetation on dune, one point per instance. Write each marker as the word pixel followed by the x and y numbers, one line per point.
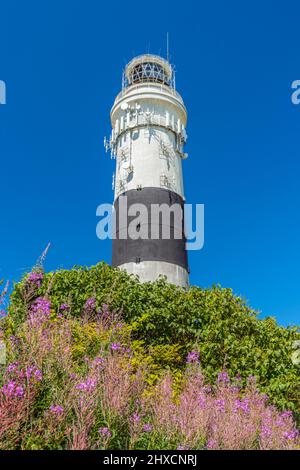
pixel 167 322
pixel 98 360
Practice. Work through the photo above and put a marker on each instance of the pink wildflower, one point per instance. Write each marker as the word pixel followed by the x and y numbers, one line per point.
pixel 56 410
pixel 35 278
pixel 223 378
pixel 192 357
pixel 147 427
pixel 105 432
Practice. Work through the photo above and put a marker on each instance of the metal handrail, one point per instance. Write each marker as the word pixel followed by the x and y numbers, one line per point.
pixel 161 87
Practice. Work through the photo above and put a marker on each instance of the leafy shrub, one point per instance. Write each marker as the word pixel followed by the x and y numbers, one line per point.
pixel 166 322
pixel 80 382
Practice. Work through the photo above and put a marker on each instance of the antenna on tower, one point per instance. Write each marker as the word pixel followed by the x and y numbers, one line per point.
pixel 168 52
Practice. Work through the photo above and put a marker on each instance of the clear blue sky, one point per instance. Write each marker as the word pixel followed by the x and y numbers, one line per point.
pixel 62 63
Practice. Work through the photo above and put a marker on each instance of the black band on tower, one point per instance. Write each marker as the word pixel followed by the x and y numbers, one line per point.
pixel 172 250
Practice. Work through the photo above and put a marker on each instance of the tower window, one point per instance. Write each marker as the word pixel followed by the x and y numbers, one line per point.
pixel 149 72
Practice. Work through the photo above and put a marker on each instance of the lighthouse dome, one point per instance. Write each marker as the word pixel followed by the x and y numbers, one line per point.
pixel 149 68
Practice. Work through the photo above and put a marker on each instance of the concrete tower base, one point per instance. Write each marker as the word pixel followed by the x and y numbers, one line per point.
pixel 151 270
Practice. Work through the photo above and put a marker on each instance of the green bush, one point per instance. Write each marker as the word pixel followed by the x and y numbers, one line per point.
pixel 169 322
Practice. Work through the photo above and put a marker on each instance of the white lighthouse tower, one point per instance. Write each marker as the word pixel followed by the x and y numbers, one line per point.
pixel 148 121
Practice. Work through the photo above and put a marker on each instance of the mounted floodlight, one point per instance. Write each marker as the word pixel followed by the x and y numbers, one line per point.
pixel 124 106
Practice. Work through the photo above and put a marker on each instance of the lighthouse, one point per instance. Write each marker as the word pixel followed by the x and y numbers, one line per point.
pixel 148 120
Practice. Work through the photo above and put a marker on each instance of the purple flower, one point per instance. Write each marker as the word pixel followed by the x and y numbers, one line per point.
pixel 38 375
pixel 64 307
pixel 266 431
pixel 12 367
pixel 19 391
pixel 105 310
pixel 192 357
pixel 28 371
pixel 35 278
pixel 147 427
pixel 73 376
pixel 202 402
pixel 90 304
pixel 115 346
pixel 105 432
pixel 220 404
pixel 11 389
pixel 292 434
pixel 135 418
pixel 14 340
pixel 99 361
pixel 211 444
pixel 3 314
pixel 8 389
pixel 56 410
pixel 223 378
pixel 242 405
pixel 81 386
pixel 88 386
pixel 251 380
pixel 279 422
pixel 264 397
pixel 39 311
